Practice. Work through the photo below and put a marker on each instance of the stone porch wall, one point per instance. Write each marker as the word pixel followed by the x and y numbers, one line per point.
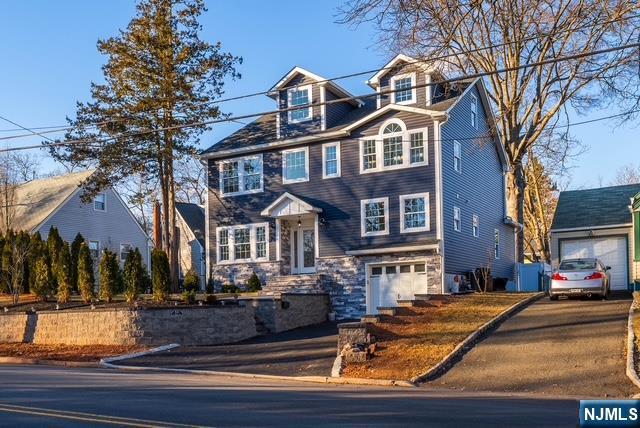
pixel 187 326
pixel 238 274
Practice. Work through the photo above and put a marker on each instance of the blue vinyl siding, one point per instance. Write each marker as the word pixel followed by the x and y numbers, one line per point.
pixel 338 197
pixel 300 128
pixel 478 189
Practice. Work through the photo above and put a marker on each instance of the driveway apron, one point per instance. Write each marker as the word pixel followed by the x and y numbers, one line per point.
pixel 567 347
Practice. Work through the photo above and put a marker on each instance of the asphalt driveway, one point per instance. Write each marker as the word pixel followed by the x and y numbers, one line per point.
pixel 568 347
pixel 307 351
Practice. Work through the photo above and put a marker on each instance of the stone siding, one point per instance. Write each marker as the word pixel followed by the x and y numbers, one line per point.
pixel 13 328
pixel 345 279
pixel 239 273
pixel 352 333
pixel 187 326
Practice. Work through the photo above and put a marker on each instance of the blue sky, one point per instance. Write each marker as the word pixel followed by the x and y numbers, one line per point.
pixel 49 58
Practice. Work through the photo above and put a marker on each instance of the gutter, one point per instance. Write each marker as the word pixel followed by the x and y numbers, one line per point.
pixel 392 250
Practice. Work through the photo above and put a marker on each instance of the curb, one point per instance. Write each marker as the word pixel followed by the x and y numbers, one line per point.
pixel 38 362
pixel 448 361
pixel 632 374
pixel 106 362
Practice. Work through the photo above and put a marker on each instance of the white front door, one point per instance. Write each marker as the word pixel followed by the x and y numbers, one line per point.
pixel 303 250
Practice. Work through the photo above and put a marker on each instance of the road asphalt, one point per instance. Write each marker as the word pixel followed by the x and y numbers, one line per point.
pixel 307 351
pixel 566 347
pixel 46 396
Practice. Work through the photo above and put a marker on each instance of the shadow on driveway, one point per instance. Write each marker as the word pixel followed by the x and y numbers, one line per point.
pixel 307 351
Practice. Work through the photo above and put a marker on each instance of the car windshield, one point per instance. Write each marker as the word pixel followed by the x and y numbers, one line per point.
pixel 578 265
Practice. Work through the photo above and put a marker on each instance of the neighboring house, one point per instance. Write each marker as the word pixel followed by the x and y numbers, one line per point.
pixel 371 200
pixel 597 223
pixel 105 223
pixel 190 222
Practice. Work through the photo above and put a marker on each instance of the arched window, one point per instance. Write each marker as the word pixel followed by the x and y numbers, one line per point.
pixel 392 128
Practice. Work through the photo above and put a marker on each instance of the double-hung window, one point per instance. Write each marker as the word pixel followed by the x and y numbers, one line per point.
pixel 395 147
pixel 474 111
pixel 457 156
pixel 457 220
pixel 295 165
pixel 300 96
pixel 404 88
pixel 374 217
pixel 414 213
pixel 475 226
pixel 331 160
pixel 94 249
pixel 243 243
pixel 496 244
pixel 125 249
pixel 100 202
pixel 241 176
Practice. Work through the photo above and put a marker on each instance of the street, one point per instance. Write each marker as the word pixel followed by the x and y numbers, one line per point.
pixel 159 399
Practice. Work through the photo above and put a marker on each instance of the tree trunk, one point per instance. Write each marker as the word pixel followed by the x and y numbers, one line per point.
pixel 515 188
pixel 173 246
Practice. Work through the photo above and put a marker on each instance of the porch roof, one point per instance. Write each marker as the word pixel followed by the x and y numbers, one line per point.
pixel 289 205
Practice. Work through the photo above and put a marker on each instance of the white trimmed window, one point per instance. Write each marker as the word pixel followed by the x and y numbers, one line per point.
pixel 404 87
pixel 414 213
pixel 474 111
pixel 374 217
pixel 295 165
pixel 331 160
pixel 94 249
pixel 241 175
pixel 100 202
pixel 125 249
pixel 457 156
pixel 243 243
pixel 475 225
pixel 496 243
pixel 299 96
pixel 395 147
pixel 457 222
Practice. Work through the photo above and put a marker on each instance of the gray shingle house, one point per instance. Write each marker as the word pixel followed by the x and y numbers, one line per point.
pixel 190 222
pixel 597 223
pixel 371 200
pixel 106 223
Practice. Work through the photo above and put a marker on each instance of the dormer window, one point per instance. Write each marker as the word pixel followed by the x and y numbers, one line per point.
pixel 299 96
pixel 404 87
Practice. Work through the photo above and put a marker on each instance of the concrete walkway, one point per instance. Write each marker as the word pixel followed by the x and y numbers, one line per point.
pixel 307 351
pixel 569 347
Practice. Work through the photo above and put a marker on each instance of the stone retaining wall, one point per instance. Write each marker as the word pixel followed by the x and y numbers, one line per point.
pixel 186 326
pixel 291 311
pixel 13 327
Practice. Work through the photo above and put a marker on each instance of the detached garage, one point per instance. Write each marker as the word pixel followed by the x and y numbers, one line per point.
pixel 596 223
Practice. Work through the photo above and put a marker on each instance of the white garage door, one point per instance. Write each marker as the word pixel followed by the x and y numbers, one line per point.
pixel 390 283
pixel 612 252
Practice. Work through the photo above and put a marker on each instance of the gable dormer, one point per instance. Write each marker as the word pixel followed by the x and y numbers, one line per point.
pixel 408 78
pixel 300 88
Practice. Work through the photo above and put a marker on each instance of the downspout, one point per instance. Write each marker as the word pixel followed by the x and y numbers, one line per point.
pixel 437 154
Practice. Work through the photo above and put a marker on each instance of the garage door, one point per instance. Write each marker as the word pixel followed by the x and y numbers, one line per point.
pixel 612 252
pixel 390 283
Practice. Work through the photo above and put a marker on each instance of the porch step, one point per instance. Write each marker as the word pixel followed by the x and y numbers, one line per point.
pixel 370 318
pixel 422 296
pixel 391 311
pixel 407 303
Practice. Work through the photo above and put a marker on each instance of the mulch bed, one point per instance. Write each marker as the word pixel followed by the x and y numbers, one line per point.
pixel 64 352
pixel 416 339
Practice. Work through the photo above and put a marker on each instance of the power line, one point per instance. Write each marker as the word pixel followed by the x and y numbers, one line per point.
pixel 376 70
pixel 26 129
pixel 340 100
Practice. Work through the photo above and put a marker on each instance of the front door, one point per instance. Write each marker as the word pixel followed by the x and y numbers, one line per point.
pixel 303 250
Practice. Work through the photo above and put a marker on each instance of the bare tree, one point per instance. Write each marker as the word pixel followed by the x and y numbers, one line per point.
pixel 627 174
pixel 191 183
pixel 20 251
pixel 492 35
pixel 541 198
pixel 140 193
